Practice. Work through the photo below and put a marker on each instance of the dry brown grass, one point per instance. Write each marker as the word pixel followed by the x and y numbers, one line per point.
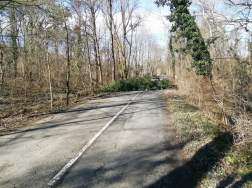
pixel 226 99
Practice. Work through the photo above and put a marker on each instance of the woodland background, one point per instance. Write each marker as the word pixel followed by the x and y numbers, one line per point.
pixel 52 53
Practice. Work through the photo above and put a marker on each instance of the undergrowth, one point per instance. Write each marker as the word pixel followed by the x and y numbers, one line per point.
pixel 204 143
pixel 135 84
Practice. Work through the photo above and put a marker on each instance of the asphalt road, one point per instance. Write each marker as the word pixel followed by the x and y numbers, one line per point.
pixel 138 149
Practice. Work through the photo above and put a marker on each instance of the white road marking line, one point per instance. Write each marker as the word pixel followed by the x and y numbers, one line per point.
pixel 62 172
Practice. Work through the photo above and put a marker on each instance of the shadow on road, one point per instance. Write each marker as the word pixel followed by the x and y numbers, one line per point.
pixel 65 121
pixel 135 162
pixel 202 162
pixel 129 167
pixel 144 161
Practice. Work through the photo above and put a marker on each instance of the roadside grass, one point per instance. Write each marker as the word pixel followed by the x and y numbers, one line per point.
pixel 196 131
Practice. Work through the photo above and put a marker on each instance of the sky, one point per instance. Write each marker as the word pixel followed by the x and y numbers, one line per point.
pixel 154 18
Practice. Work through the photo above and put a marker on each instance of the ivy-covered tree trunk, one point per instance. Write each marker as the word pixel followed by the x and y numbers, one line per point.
pixel 186 27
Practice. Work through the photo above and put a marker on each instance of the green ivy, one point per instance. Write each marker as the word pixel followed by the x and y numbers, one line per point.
pixel 187 28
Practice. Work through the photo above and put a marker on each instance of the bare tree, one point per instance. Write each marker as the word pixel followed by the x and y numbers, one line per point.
pixel 243 16
pixel 93 8
pixel 108 15
pixel 13 37
pixel 129 21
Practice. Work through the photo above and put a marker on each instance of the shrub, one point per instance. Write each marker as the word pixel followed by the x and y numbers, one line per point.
pixel 135 84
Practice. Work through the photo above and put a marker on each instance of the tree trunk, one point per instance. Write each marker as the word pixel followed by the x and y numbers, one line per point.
pixel 13 38
pixel 96 47
pixel 124 47
pixel 49 78
pixel 89 67
pixel 112 40
pixel 68 65
pixel 1 68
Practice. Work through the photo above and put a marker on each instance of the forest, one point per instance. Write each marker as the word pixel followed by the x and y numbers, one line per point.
pixel 55 52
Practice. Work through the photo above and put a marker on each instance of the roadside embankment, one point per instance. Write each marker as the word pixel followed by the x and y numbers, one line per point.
pixel 208 148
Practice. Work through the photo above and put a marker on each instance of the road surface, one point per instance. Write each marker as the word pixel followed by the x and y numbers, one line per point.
pixel 137 149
